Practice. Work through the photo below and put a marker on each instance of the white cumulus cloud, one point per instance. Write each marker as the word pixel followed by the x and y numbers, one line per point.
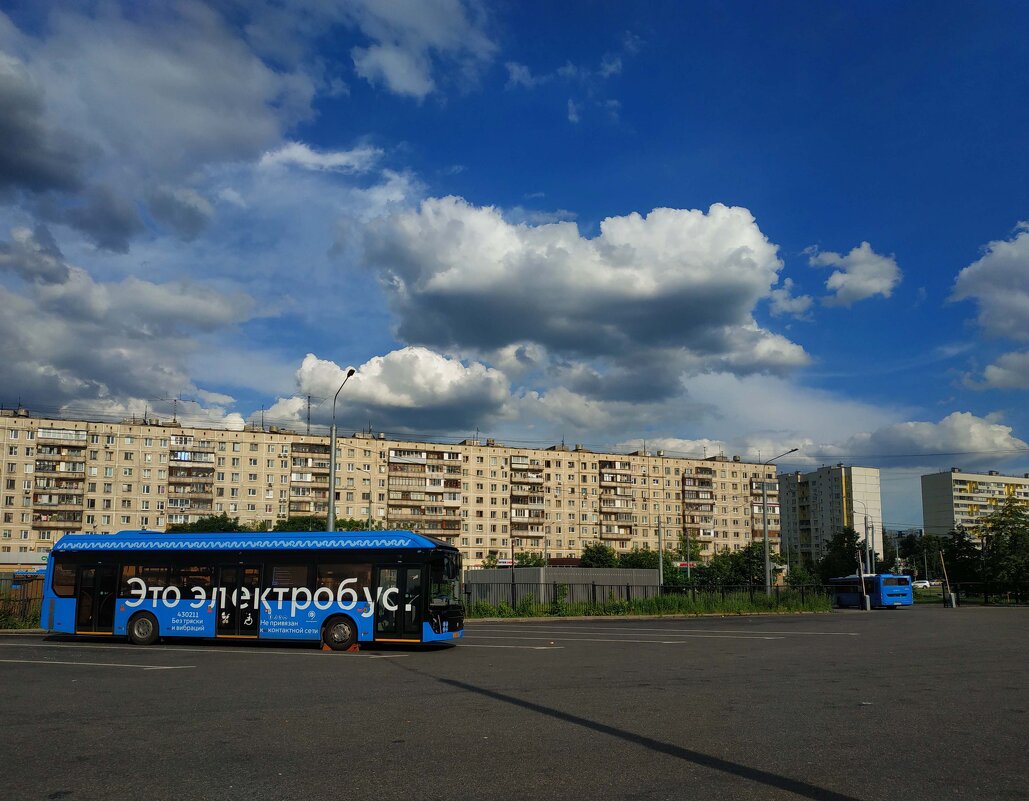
pixel 463 277
pixel 999 284
pixel 859 275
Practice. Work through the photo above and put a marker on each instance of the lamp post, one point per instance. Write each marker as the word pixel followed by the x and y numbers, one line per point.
pixel 331 522
pixel 764 516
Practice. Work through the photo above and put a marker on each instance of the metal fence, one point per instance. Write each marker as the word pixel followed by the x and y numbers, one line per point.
pixel 20 600
pixel 530 599
pixel 989 593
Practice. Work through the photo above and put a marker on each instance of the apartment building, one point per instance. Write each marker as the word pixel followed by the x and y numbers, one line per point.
pixel 63 476
pixel 817 505
pixel 956 498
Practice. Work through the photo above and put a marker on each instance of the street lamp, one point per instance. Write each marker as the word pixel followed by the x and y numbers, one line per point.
pixel 331 522
pixel 764 515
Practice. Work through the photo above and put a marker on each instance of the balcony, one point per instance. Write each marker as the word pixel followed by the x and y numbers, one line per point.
pixel 191 457
pixel 62 434
pixel 51 483
pixel 615 532
pixel 533 501
pixel 189 475
pixel 55 502
pixel 61 453
pixel 319 448
pixel 72 470
pixel 530 476
pixel 54 520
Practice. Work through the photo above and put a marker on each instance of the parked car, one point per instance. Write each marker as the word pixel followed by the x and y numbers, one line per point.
pixel 920 584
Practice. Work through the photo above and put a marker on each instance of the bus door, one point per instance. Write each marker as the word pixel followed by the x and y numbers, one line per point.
pixel 95 599
pixel 400 586
pixel 237 605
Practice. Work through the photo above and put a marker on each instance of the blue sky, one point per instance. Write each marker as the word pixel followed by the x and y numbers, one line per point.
pixel 737 227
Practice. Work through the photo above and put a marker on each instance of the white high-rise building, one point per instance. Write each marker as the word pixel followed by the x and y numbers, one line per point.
pixel 955 498
pixel 816 505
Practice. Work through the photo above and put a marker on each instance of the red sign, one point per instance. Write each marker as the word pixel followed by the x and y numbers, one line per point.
pixel 687 564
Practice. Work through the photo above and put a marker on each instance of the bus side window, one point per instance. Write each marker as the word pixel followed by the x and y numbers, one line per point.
pixel 64 580
pixel 151 575
pixel 332 576
pixel 291 576
pixel 188 577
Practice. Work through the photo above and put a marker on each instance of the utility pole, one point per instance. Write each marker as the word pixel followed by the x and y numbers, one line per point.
pixel 660 555
pixel 331 516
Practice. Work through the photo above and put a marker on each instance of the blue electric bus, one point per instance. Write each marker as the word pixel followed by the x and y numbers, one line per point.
pixel 340 588
pixel 885 590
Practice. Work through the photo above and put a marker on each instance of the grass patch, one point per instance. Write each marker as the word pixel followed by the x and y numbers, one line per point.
pixel 19 615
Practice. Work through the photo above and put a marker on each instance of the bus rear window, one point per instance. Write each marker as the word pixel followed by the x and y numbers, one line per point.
pixel 64 580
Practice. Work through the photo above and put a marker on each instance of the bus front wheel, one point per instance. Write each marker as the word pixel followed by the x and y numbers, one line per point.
pixel 143 629
pixel 339 633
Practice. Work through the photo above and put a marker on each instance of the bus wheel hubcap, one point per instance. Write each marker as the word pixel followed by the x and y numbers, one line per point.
pixel 143 628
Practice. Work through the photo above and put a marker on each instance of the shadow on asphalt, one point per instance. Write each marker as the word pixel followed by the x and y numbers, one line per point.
pixel 696 757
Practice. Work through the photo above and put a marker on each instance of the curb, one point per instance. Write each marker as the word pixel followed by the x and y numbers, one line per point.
pixel 23 631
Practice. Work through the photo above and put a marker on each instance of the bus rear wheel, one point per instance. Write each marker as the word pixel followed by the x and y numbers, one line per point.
pixel 143 629
pixel 339 633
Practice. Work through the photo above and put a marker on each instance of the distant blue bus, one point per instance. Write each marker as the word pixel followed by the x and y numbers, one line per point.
pixel 339 588
pixel 885 590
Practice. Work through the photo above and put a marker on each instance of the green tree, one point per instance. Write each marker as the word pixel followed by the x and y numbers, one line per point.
pixel 318 523
pixel 1004 534
pixel 639 559
pixel 800 576
pixel 748 563
pixel 597 554
pixel 745 566
pixel 689 547
pixel 211 523
pixel 840 557
pixel 922 553
pixel 674 576
pixel 529 559
pixel 490 561
pixel 962 556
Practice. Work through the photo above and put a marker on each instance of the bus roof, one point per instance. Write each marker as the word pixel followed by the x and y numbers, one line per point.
pixel 245 541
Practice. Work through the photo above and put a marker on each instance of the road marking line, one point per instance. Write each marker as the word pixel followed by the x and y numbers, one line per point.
pixel 95 664
pixel 174 649
pixel 527 647
pixel 597 639
pixel 469 627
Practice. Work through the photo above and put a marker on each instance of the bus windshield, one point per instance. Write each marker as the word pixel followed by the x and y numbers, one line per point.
pixel 445 576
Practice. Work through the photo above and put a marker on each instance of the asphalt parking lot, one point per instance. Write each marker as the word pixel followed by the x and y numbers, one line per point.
pixel 921 703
